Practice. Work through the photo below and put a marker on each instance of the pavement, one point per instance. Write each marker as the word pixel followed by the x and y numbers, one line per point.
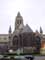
pixel 39 58
pixel 23 57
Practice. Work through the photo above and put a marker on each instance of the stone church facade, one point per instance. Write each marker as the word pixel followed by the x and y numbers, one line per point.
pixel 22 35
pixel 21 38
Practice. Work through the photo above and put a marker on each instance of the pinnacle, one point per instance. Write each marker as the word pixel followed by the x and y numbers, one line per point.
pixel 18 14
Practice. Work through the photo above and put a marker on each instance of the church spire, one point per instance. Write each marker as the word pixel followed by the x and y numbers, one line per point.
pixel 18 21
pixel 41 31
pixel 10 29
pixel 18 14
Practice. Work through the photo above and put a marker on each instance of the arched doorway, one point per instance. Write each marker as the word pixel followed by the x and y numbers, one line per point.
pixel 15 42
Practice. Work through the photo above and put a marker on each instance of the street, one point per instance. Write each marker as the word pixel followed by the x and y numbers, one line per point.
pixel 39 58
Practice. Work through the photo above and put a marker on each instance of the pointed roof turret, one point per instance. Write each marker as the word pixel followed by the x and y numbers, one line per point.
pixel 41 31
pixel 18 14
pixel 10 29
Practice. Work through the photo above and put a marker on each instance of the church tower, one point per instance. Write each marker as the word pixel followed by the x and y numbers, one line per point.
pixel 18 21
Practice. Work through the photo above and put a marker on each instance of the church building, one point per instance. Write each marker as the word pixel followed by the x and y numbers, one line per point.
pixel 22 37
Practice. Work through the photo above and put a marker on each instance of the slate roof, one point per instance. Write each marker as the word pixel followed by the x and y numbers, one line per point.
pixel 27 29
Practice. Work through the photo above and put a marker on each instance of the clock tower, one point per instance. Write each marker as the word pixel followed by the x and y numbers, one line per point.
pixel 19 20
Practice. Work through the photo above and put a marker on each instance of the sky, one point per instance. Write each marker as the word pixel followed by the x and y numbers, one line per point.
pixel 32 11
